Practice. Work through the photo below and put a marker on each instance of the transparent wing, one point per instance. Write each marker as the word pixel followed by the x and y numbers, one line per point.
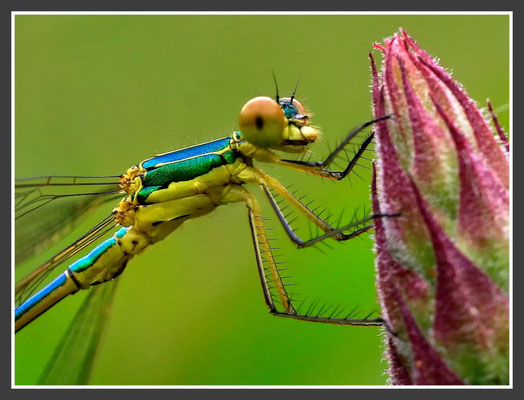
pixel 35 192
pixel 72 361
pixel 46 209
pixel 38 227
pixel 27 286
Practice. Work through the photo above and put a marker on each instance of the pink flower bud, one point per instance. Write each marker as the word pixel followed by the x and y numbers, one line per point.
pixel 443 265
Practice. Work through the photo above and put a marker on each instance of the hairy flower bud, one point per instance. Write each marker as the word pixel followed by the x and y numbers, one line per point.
pixel 443 264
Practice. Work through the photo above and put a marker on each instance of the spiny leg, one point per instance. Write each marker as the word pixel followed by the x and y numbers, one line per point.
pixel 319 168
pixel 348 139
pixel 333 317
pixel 336 233
pixel 264 255
pixel 333 320
pixel 290 312
pixel 266 180
pixel 331 232
pixel 261 245
pixel 266 264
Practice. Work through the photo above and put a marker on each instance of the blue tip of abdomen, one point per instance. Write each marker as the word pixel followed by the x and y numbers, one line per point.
pixel 38 297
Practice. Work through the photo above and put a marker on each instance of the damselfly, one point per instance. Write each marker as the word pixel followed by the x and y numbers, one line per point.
pixel 163 192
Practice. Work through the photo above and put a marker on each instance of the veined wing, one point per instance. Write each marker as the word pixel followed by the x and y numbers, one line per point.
pixel 72 361
pixel 35 192
pixel 27 286
pixel 67 200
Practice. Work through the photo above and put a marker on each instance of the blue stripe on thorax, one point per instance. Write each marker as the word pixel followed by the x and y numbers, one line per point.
pixel 193 151
pixel 186 169
pixel 185 164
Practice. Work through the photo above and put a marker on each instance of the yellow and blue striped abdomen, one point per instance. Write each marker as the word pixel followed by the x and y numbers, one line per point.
pixel 80 275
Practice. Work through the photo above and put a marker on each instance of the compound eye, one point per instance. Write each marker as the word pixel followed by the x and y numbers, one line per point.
pixel 262 122
pixel 300 108
pixel 297 104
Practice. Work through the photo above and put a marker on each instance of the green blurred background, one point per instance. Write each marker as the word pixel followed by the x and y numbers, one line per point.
pixel 97 94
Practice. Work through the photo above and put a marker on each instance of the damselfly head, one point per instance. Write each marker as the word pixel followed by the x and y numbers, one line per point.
pixel 281 125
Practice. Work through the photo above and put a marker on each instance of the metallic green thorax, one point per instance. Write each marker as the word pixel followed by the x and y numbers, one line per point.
pixel 185 164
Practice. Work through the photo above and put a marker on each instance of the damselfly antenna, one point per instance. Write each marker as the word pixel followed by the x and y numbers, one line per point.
pixel 295 90
pixel 276 85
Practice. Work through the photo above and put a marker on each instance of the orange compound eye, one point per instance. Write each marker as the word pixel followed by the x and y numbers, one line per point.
pixel 262 122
